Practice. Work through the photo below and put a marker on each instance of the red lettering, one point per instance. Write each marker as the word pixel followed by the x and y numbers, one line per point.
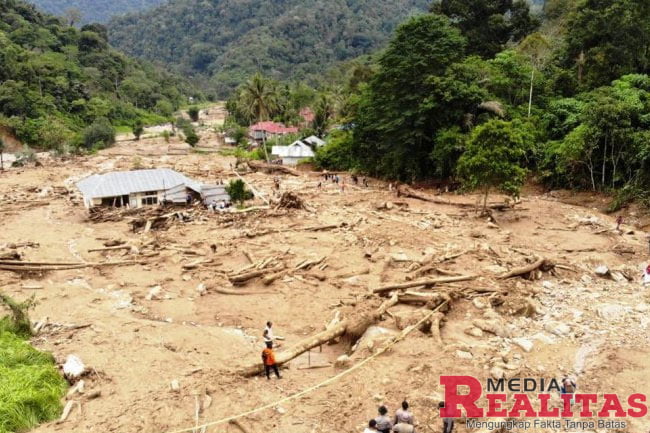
pixel 611 403
pixel 543 410
pixel 637 401
pixel 453 399
pixel 522 403
pixel 566 409
pixel 494 406
pixel 585 399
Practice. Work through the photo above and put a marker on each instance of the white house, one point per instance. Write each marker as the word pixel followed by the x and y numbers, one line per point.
pixel 314 141
pixel 294 153
pixel 139 188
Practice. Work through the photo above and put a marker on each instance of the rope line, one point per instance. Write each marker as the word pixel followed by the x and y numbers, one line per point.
pixel 326 382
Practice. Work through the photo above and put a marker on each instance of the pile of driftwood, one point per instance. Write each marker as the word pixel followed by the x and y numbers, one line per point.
pixel 101 214
pixel 160 220
pixel 289 200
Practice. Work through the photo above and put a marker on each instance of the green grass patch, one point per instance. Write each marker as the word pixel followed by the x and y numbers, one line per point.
pixel 123 129
pixel 31 387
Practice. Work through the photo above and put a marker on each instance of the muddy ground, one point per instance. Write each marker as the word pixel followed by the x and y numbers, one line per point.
pixel 136 341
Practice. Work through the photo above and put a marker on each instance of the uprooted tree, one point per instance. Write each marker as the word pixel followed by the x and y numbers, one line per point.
pixel 492 160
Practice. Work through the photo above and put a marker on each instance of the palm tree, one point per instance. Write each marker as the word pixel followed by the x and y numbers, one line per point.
pixel 323 112
pixel 259 99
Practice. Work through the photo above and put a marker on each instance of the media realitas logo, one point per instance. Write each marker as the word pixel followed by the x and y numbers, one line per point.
pixel 531 397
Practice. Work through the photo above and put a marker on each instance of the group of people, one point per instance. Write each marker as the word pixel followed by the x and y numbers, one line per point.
pixel 336 179
pixel 268 356
pixel 220 205
pixel 402 422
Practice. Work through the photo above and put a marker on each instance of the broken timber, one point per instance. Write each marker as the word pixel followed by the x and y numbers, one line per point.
pixel 16 266
pixel 269 168
pixel 542 264
pixel 405 191
pixel 425 283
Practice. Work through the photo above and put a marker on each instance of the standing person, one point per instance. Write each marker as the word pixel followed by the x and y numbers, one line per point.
pixel 268 333
pixel 447 423
pixel 372 427
pixel 188 199
pixel 403 415
pixel 384 423
pixel 569 387
pixel 619 221
pixel 268 359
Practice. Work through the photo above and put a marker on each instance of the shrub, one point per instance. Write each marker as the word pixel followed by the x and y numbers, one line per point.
pixel 100 134
pixel 193 112
pixel 138 129
pixel 237 191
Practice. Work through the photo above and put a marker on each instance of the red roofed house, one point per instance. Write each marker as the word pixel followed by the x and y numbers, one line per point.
pixel 265 130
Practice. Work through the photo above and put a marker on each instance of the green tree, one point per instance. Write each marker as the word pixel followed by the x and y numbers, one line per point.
pixel 492 159
pixel 191 137
pixel 138 129
pixel 99 134
pixel 417 90
pixel 237 191
pixel 488 24
pixel 323 112
pixel 537 48
pixel 193 112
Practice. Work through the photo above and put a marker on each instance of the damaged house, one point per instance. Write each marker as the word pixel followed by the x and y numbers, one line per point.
pixel 139 188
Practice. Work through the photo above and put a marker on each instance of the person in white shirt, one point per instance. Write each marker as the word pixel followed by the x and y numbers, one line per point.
pixel 403 415
pixel 268 332
pixel 372 427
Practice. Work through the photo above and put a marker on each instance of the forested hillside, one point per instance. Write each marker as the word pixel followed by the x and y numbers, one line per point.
pixel 56 80
pixel 231 39
pixel 93 11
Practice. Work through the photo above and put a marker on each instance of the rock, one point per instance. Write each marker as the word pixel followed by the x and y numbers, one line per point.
pixel 73 368
pixel 612 311
pixel 154 294
pixel 280 410
pixel 547 285
pixel 175 386
pixel 400 257
pixel 464 355
pixel 94 394
pixel 342 361
pixel 546 339
pixel 497 373
pixel 474 331
pixel 602 271
pixel 557 328
pixel 378 397
pixel 479 303
pixel 524 343
pixel 492 326
pixel 642 308
pixel 186 277
pixel 201 289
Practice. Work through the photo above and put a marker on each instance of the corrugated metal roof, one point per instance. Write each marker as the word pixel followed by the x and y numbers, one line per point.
pixel 129 182
pixel 298 149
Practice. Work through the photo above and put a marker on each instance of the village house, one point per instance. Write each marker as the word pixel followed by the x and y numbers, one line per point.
pixel 140 188
pixel 294 153
pixel 314 141
pixel 266 130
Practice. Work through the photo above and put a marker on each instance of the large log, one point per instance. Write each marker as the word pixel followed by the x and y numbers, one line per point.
pixel 538 264
pixel 269 168
pixel 405 191
pixel 242 278
pixel 425 283
pixel 355 326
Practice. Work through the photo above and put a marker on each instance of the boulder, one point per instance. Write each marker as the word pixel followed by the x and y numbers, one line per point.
pixel 612 311
pixel 557 328
pixel 524 343
pixel 155 293
pixel 461 354
pixel 342 361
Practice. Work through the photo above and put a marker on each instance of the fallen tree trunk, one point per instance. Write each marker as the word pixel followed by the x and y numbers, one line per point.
pixel 425 283
pixel 538 264
pixel 35 267
pixel 405 191
pixel 354 327
pixel 242 278
pixel 119 247
pixel 269 168
pixel 225 291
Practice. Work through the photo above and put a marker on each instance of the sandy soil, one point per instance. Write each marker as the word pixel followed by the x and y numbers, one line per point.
pixel 136 347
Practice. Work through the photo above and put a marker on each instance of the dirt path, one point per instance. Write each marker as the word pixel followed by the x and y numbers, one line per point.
pixel 137 345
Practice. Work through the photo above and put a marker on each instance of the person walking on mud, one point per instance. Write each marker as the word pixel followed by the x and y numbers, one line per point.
pixel 268 358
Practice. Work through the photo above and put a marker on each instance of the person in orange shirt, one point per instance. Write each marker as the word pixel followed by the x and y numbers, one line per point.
pixel 268 358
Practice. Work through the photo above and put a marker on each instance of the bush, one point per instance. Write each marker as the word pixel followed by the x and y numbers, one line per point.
pixel 337 153
pixel 100 134
pixel 191 138
pixel 138 129
pixel 193 112
pixel 237 191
